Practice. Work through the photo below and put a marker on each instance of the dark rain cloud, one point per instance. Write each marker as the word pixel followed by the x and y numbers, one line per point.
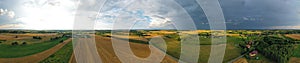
pixel 249 14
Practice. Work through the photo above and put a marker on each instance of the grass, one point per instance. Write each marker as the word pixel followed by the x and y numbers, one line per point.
pixel 10 51
pixel 61 56
pixel 205 41
pixel 232 50
pixel 297 51
pixel 262 59
pixel 174 47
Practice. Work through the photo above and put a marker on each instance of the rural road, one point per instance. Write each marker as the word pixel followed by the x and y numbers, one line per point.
pixel 36 57
pixel 86 51
pixel 107 54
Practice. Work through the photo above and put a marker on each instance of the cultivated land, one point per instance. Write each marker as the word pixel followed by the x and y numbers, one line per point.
pixel 8 38
pixel 294 36
pixel 13 51
pixel 236 43
pixel 283 44
pixel 173 44
pixel 296 55
pixel 105 51
pixel 35 58
pixel 61 56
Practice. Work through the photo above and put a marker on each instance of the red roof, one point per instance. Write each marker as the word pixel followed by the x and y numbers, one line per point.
pixel 254 52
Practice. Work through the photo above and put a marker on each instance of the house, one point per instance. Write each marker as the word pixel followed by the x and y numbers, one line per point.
pixel 253 53
pixel 248 46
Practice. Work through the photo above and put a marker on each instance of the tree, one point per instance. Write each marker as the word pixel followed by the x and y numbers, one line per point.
pixel 15 43
pixel 61 41
pixel 35 37
pixel 276 48
pixel 24 43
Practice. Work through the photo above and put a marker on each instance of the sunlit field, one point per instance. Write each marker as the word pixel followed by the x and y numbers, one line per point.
pixel 239 48
pixel 252 46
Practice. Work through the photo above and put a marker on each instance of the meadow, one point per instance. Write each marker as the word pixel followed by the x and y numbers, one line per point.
pixel 174 46
pixel 21 50
pixel 235 46
pixel 61 56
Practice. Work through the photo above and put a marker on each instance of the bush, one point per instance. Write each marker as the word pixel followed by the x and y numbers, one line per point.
pixel 35 37
pixel 61 41
pixel 24 43
pixel 15 43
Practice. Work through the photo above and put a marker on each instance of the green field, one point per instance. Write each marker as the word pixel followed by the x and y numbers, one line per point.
pixel 272 45
pixel 61 56
pixel 297 52
pixel 232 50
pixel 13 51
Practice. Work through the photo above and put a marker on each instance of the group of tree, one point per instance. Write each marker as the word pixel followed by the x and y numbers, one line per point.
pixel 61 41
pixel 16 43
pixel 55 38
pixel 173 36
pixel 2 41
pixel 140 33
pixel 276 48
pixel 36 37
pixel 207 34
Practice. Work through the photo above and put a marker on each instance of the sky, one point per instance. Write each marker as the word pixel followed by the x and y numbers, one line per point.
pixel 146 14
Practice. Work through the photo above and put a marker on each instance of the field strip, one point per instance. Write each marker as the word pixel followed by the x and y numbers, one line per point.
pixel 71 58
pixel 140 49
pixel 294 36
pixel 107 54
pixel 36 57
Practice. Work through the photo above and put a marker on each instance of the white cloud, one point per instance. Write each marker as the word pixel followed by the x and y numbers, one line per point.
pixel 11 26
pixel 159 22
pixel 11 14
pixel 6 12
pixel 2 12
pixel 150 13
pixel 286 27
pixel 47 14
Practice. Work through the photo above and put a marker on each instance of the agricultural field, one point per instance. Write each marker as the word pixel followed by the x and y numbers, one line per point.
pixel 173 43
pixel 20 48
pixel 237 43
pixel 61 56
pixel 30 47
pixel 247 46
pixel 8 38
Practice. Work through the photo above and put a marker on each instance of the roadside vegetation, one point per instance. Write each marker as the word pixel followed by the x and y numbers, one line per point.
pixel 61 56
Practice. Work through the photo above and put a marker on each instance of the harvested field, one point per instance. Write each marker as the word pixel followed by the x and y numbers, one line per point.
pixel 294 36
pixel 241 60
pixel 107 55
pixel 294 60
